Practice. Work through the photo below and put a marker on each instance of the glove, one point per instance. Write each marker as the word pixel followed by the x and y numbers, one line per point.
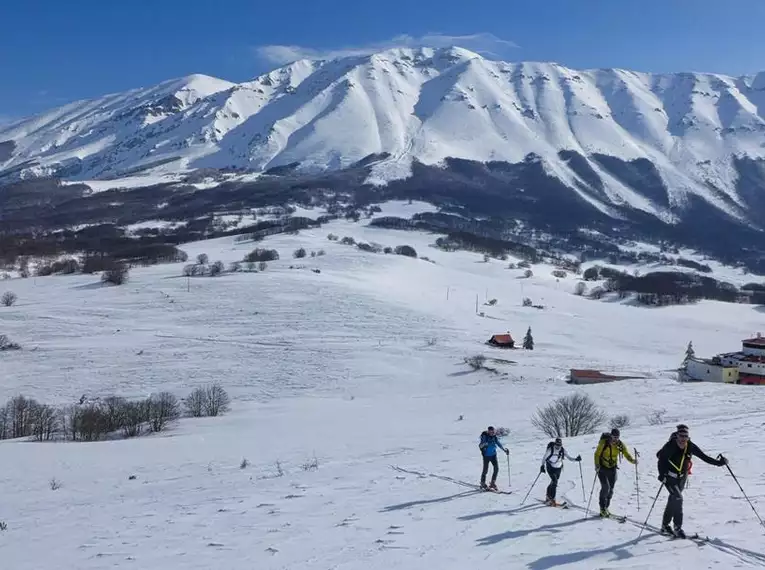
pixel 723 461
pixel 542 469
pixel 662 477
pixel 507 452
pixel 578 458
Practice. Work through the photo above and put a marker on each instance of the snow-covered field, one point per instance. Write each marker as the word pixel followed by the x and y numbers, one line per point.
pixel 361 367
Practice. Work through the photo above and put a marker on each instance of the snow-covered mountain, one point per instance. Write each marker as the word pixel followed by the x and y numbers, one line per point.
pixel 615 137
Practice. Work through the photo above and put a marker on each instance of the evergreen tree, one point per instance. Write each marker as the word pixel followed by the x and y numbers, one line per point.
pixel 689 352
pixel 528 340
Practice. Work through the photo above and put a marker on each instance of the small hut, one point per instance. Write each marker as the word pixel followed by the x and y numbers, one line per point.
pixel 501 341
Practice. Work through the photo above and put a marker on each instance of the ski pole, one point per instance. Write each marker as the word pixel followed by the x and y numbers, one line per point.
pixel 637 479
pixel 508 471
pixel 661 486
pixel 595 480
pixel 530 488
pixel 743 492
pixel 581 476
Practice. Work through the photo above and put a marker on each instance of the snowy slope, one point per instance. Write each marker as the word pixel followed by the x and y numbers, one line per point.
pixel 360 366
pixel 417 104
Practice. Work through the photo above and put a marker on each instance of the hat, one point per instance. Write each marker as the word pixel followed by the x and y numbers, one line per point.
pixel 615 432
pixel 558 440
pixel 490 428
pixel 682 429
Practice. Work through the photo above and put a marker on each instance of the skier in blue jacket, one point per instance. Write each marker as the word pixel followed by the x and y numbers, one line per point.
pixel 488 446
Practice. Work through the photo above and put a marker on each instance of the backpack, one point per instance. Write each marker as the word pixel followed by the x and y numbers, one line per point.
pixel 606 436
pixel 550 447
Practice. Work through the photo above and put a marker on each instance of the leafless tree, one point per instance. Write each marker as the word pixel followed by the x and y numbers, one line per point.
pixel 619 422
pixel 195 403
pixel 8 299
pixel 163 409
pixel 202 259
pixel 476 362
pixel 216 401
pixel 569 416
pixel 135 414
pixel 217 268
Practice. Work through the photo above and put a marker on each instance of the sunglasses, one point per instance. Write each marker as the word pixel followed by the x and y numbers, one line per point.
pixel 682 436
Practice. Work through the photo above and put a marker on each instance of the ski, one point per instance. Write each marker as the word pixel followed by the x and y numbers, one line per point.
pixel 617 518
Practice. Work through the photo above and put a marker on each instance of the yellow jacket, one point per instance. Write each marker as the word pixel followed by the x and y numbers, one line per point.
pixel 607 454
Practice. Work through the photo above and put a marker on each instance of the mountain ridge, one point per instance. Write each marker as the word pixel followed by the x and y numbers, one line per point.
pixel 681 135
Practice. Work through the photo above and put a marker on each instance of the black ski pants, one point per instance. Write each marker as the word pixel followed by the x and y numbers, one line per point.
pixel 674 509
pixel 607 476
pixel 554 474
pixel 490 459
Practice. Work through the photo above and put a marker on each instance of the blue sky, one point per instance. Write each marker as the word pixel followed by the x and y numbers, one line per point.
pixel 55 51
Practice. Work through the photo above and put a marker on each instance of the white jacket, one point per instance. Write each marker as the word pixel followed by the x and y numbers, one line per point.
pixel 554 459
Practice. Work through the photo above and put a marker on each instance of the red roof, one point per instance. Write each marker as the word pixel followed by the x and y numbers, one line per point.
pixel 589 374
pixel 502 338
pixel 760 341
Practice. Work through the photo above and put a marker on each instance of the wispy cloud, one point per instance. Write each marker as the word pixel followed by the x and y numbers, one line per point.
pixel 485 44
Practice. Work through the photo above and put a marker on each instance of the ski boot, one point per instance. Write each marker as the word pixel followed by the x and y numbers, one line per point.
pixel 483 486
pixel 679 533
pixel 604 514
pixel 493 486
pixel 666 529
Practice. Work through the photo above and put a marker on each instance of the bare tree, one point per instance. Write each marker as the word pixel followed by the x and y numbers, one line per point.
pixel 44 422
pixel 202 259
pixel 114 412
pixel 163 409
pixel 569 416
pixel 299 253
pixel 117 275
pixel 195 403
pixel 217 401
pixel 216 268
pixel 8 299
pixel 133 418
pixel 619 422
pixel 262 266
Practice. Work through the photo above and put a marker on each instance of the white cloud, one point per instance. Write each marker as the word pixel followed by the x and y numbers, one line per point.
pixel 5 119
pixel 485 44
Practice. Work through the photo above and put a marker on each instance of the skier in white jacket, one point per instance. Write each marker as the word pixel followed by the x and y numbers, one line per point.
pixel 552 464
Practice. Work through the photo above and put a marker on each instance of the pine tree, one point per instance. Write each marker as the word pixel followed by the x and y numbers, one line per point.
pixel 689 352
pixel 528 340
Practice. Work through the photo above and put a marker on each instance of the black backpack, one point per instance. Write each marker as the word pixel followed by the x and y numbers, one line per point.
pixel 550 447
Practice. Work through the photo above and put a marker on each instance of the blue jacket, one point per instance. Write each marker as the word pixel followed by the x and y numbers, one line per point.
pixel 489 444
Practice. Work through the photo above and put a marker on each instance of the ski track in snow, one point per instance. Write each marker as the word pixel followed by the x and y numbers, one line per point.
pixel 340 366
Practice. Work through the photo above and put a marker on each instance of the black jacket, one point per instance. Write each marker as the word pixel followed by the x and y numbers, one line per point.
pixel 675 460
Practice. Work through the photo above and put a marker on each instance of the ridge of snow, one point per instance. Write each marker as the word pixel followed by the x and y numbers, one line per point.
pixel 419 104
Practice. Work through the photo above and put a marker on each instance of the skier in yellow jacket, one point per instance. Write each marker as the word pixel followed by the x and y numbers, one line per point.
pixel 607 455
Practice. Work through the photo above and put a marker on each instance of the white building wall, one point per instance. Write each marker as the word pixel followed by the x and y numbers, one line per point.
pixel 754 351
pixel 700 370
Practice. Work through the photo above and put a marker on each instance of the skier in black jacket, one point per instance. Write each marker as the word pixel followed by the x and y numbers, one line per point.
pixel 674 461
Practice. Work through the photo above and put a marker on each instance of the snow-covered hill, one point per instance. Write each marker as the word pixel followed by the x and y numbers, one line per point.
pixel 615 137
pixel 361 367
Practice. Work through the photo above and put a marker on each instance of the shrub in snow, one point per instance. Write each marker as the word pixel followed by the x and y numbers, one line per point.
pixel 235 267
pixel 217 401
pixel 619 422
pixel 259 254
pixel 527 302
pixel 262 266
pixel 313 254
pixel 117 275
pixel 406 250
pixel 192 270
pixel 210 400
pixel 476 362
pixel 524 264
pixel 8 344
pixel 8 298
pixel 311 464
pixel 656 417
pixel 528 273
pixel 163 409
pixel 54 484
pixel 299 253
pixel 202 259
pixel 569 416
pixel 502 431
pixel 320 252
pixel 244 464
pixel 580 289
pixel 134 416
pixel 388 250
pixel 332 237
pixel 559 273
pixel 348 241
pixel 217 268
pixel 3 526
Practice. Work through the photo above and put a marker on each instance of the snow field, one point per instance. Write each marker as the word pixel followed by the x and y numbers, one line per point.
pixel 340 366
